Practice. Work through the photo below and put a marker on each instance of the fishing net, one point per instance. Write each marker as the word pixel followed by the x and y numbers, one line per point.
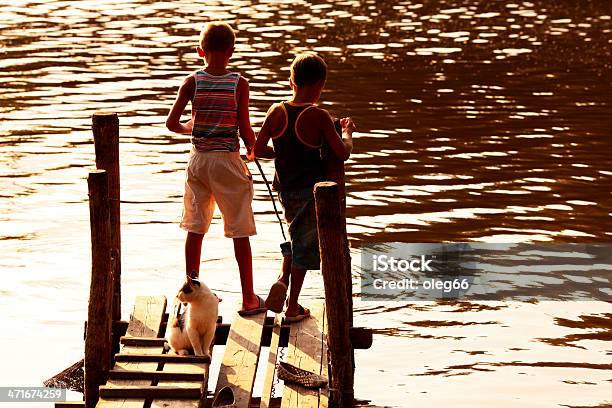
pixel 71 378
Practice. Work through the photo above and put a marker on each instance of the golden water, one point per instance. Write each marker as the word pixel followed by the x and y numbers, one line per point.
pixel 486 121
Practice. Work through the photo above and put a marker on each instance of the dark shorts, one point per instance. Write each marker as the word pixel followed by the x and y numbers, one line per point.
pixel 300 213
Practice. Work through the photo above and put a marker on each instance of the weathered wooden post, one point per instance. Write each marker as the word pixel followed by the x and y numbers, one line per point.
pixel 334 171
pixel 105 128
pixel 333 243
pixel 98 342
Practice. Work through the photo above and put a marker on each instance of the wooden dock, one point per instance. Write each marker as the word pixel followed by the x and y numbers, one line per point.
pixel 128 364
pixel 145 374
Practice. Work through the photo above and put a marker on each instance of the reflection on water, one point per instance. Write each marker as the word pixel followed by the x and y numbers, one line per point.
pixel 479 121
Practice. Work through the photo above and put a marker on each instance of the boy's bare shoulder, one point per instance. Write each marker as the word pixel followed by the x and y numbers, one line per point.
pixel 189 81
pixel 318 116
pixel 276 119
pixel 242 81
pixel 188 87
pixel 190 78
pixel 242 88
pixel 275 108
pixel 320 111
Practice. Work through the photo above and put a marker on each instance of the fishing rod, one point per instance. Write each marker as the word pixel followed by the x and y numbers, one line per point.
pixel 263 175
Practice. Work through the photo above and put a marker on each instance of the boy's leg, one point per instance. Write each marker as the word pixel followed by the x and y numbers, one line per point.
pixel 242 250
pixel 232 188
pixel 286 270
pixel 193 253
pixel 297 280
pixel 300 213
pixel 287 262
pixel 198 209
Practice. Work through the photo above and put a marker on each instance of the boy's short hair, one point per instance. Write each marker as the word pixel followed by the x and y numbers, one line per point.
pixel 217 36
pixel 308 69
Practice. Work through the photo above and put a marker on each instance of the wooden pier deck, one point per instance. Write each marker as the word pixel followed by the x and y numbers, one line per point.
pixel 146 374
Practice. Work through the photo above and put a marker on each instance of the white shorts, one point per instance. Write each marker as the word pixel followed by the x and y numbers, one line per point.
pixel 220 177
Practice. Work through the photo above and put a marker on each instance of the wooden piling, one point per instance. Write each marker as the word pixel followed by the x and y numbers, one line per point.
pixel 333 244
pixel 105 128
pixel 98 346
pixel 334 171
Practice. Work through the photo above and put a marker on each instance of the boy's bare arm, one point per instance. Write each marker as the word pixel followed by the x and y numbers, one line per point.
pixel 244 121
pixel 261 144
pixel 342 147
pixel 185 94
pixel 265 133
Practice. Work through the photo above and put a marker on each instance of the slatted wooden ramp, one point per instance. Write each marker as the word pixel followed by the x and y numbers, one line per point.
pixel 145 375
pixel 306 349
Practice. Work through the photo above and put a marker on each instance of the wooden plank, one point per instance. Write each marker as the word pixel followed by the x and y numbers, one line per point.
pixel 266 393
pixel 240 359
pixel 204 385
pixel 307 350
pixel 150 391
pixel 142 341
pixel 361 337
pixel 198 371
pixel 146 319
pixel 160 358
pixel 274 402
pixel 155 375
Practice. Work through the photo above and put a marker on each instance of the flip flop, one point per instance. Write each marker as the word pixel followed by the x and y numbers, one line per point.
pixel 304 313
pixel 276 297
pixel 259 309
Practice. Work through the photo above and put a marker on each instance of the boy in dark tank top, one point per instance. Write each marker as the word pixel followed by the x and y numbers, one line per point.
pixel 297 129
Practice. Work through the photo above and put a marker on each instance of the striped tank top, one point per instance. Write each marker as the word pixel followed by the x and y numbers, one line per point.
pixel 215 112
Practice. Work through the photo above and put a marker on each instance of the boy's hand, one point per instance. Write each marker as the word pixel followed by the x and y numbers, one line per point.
pixel 348 125
pixel 250 154
pixel 189 126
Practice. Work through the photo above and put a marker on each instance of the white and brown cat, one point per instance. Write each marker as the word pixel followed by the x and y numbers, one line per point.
pixel 194 329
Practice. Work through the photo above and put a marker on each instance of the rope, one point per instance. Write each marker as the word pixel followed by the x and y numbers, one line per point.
pixel 280 222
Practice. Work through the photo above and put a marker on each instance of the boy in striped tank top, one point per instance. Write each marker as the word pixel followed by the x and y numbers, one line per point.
pixel 216 173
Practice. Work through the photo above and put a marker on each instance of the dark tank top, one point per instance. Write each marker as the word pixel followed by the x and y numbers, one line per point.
pixel 298 166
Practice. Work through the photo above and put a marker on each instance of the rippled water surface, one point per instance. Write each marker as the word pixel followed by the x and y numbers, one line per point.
pixel 478 121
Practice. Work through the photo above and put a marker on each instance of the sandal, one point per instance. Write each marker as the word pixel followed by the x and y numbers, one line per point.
pixel 304 313
pixel 276 297
pixel 259 309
